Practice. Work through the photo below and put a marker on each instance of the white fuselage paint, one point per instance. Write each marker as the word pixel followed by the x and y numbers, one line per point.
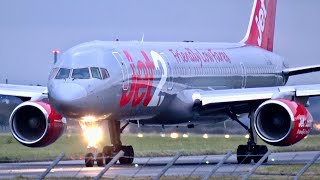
pixel 260 21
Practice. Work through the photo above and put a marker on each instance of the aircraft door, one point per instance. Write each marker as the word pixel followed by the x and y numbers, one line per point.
pixel 170 73
pixel 124 70
pixel 244 75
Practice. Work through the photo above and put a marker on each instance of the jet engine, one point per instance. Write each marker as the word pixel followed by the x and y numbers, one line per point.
pixel 36 124
pixel 281 122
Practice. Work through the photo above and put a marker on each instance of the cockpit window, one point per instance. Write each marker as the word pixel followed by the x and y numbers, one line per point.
pixel 105 73
pixel 63 73
pixel 95 72
pixel 82 73
pixel 53 73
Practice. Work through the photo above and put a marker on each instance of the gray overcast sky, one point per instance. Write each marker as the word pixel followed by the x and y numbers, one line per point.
pixel 30 30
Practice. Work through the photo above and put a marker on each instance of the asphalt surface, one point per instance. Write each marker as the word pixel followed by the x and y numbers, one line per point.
pixel 151 166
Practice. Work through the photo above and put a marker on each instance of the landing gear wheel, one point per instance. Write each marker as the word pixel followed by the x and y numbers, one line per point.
pixel 107 151
pixel 100 159
pixel 259 152
pixel 243 156
pixel 89 160
pixel 128 155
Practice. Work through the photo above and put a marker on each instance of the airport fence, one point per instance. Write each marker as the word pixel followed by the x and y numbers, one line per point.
pixel 203 167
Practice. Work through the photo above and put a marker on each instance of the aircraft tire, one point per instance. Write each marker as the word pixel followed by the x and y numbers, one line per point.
pixel 89 160
pixel 107 151
pixel 128 155
pixel 259 153
pixel 100 160
pixel 243 156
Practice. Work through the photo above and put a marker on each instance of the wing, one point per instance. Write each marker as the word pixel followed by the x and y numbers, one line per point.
pixel 24 92
pixel 252 94
pixel 240 100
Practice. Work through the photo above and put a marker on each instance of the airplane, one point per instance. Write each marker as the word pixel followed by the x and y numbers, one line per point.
pixel 170 83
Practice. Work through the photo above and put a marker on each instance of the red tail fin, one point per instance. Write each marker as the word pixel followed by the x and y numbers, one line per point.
pixel 262 23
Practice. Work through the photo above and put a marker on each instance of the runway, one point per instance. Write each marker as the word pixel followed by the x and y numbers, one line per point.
pixel 150 166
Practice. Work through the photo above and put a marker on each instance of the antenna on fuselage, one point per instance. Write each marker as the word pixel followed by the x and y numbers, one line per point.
pixel 55 55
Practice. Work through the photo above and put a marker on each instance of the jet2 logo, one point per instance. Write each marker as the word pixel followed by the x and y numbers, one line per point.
pixel 141 87
pixel 261 20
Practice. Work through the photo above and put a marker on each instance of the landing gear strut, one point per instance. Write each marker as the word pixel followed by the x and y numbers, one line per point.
pixel 250 151
pixel 110 151
pixel 104 157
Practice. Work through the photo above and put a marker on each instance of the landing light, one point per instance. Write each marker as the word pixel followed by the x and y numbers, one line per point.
pixel 317 126
pixel 305 137
pixel 163 135
pixel 93 134
pixel 205 136
pixel 174 135
pixel 207 162
pixel 89 118
pixel 227 136
pixel 247 136
pixel 136 165
pixel 140 135
pixel 185 135
pixel 272 159
pixel 91 130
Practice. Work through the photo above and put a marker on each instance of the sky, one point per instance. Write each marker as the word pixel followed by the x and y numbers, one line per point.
pixel 30 30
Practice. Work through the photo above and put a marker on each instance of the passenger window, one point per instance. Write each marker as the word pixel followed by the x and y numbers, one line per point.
pixel 95 72
pixel 63 73
pixel 105 73
pixel 82 73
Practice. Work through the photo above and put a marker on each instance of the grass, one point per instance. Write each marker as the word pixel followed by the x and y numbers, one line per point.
pixel 74 146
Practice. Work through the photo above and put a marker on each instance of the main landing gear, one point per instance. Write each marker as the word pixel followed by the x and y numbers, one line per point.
pixel 250 151
pixel 108 152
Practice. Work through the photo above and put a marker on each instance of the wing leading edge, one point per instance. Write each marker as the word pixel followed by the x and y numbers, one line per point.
pixel 255 94
pixel 32 92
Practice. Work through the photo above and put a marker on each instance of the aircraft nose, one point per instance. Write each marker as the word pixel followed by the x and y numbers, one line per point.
pixel 67 93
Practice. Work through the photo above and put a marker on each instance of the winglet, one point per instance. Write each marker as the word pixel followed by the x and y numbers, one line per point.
pixel 262 24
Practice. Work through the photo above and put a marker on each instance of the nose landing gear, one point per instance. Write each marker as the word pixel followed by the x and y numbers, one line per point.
pixel 108 152
pixel 93 156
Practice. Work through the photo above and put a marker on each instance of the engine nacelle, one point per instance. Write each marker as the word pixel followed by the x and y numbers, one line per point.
pixel 36 124
pixel 281 122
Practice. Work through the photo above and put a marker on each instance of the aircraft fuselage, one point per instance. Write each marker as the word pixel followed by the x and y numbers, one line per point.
pixel 152 82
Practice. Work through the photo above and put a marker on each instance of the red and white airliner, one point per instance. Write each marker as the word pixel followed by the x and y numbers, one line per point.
pixel 165 83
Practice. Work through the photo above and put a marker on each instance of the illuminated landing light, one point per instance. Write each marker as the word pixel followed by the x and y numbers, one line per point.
pixel 247 136
pixel 207 162
pixel 93 135
pixel 174 135
pixel 205 136
pixel 140 135
pixel 227 136
pixel 136 165
pixel 316 126
pixel 89 119
pixel 163 135
pixel 185 135
pixel 305 137
pixel 272 159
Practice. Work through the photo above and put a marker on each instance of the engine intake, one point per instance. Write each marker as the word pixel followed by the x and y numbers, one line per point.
pixel 36 124
pixel 281 122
